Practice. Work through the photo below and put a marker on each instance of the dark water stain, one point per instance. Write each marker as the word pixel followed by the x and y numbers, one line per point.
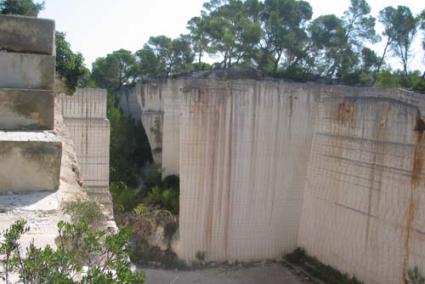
pixel 415 180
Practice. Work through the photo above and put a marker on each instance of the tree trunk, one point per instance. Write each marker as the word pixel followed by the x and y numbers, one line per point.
pixel 383 56
pixel 276 62
pixel 405 60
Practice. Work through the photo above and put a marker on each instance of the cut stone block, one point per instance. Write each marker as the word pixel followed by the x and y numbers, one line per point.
pixel 26 109
pixel 27 35
pixel 29 161
pixel 27 71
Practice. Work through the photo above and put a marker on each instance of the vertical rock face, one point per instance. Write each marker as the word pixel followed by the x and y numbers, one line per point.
pixel 241 149
pixel 267 166
pixel 244 146
pixel 85 118
pixel 30 153
pixel 145 104
pixel 363 202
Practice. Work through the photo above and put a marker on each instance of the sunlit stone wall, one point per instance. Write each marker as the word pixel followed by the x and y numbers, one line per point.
pixel 268 166
pixel 85 117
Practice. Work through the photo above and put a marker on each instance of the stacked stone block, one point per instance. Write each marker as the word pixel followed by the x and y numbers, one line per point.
pixel 30 152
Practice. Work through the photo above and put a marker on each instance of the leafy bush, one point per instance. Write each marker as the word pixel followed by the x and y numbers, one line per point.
pixel 146 236
pixel 21 7
pixel 152 176
pixel 149 218
pixel 141 210
pixel 124 199
pixel 415 276
pixel 94 255
pixel 86 211
pixel 200 256
pixel 172 181
pixel 160 193
pixel 412 80
pixel 164 198
pixel 129 146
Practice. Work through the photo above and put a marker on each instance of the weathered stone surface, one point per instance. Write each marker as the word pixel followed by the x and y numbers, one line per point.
pixel 86 103
pixel 84 115
pixel 363 209
pixel 267 166
pixel 27 35
pixel 29 161
pixel 27 71
pixel 144 104
pixel 26 109
pixel 243 151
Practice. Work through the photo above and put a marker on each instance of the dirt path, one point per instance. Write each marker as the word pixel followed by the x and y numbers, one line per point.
pixel 262 274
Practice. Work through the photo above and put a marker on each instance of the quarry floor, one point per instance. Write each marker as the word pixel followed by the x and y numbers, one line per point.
pixel 273 273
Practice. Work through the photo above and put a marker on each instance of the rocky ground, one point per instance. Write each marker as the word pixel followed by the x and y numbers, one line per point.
pixel 271 273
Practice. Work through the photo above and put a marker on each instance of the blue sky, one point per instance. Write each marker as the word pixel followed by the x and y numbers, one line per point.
pixel 98 27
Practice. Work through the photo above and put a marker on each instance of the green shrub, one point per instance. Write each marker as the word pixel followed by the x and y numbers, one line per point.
pixel 78 246
pixel 147 218
pixel 87 211
pixel 200 256
pixel 141 210
pixel 412 81
pixel 160 193
pixel 415 276
pixel 21 7
pixel 164 198
pixel 124 199
pixel 171 181
pixel 153 176
pixel 387 79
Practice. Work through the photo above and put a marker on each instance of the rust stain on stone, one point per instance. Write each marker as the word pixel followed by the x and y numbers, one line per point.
pixel 212 185
pixel 227 205
pixel 376 173
pixel 345 113
pixel 200 104
pixel 418 157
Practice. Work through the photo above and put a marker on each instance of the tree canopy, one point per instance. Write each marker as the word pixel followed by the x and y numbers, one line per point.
pixel 69 65
pixel 279 38
pixel 115 70
pixel 21 7
pixel 400 27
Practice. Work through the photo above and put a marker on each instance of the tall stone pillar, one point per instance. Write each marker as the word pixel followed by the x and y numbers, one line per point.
pixel 30 152
pixel 85 118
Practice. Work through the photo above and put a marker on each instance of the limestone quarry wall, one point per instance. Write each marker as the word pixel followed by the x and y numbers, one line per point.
pixel 241 149
pixel 85 118
pixel 268 166
pixel 363 208
pixel 244 147
pixel 145 104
